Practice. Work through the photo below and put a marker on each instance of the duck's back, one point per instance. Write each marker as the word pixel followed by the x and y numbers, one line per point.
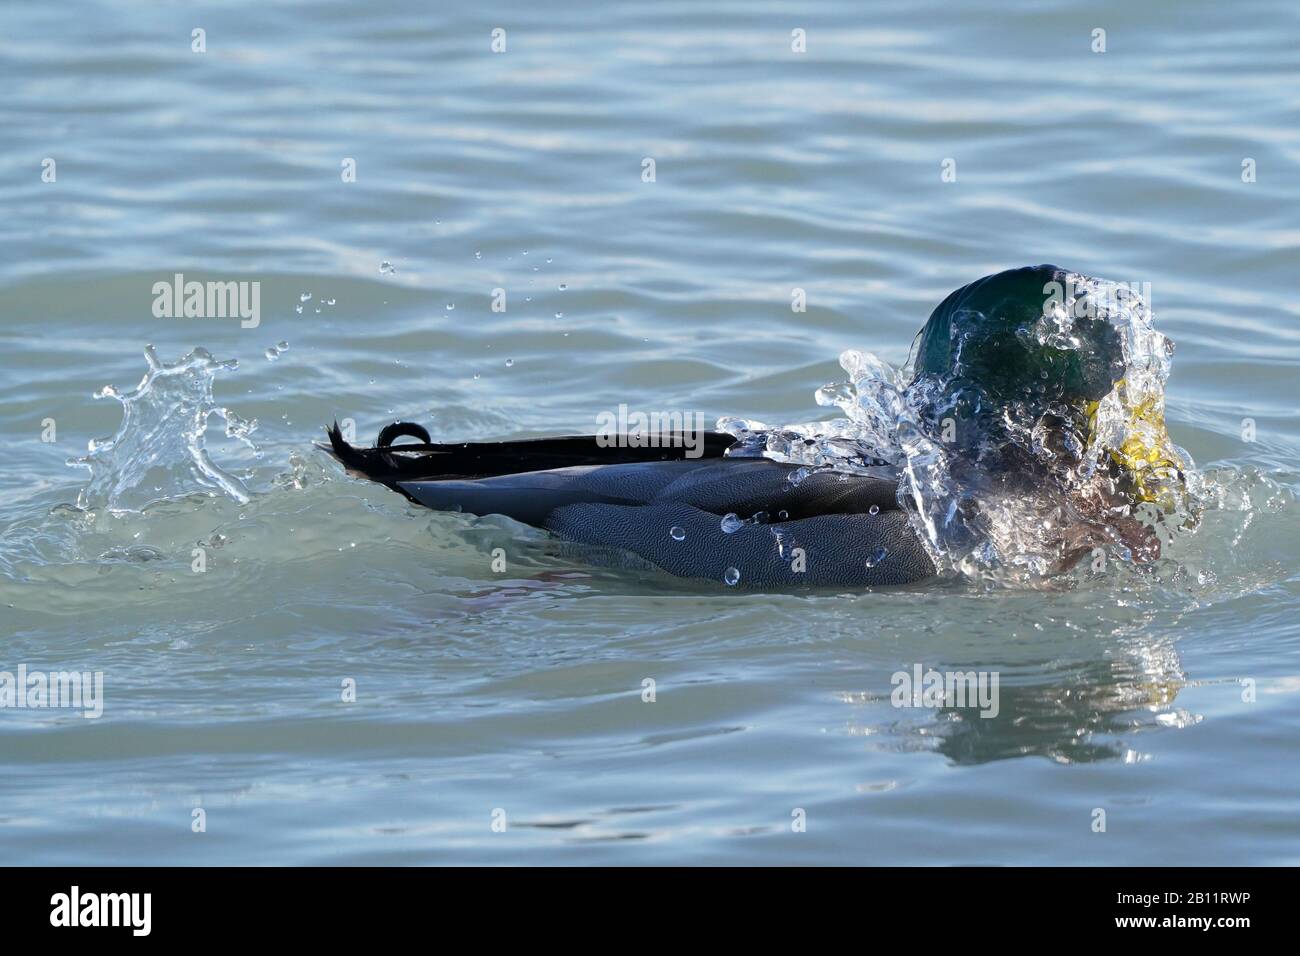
pixel 826 530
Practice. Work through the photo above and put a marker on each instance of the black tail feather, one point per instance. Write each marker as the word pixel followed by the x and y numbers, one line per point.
pixel 426 461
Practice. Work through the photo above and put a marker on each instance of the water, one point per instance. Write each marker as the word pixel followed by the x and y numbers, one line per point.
pixel 1169 701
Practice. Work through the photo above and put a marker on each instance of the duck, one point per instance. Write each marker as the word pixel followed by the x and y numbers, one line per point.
pixel 988 368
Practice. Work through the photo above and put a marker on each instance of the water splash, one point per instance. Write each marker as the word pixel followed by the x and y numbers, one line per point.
pixel 160 451
pixel 1015 485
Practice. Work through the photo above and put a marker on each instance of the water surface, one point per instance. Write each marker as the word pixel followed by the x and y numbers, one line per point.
pixel 521 690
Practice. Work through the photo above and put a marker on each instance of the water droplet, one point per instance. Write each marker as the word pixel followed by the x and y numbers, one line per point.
pixel 478 255
pixel 677 534
pixel 298 309
pixel 731 576
pixel 874 510
pixel 451 306
pixel 732 523
pixel 509 362
pixel 782 515
pixel 305 297
pixel 330 301
pixel 559 315
pixel 877 556
pixel 387 268
pixel 563 286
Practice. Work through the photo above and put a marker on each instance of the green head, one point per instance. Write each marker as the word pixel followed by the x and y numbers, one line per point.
pixel 1042 341
pixel 993 333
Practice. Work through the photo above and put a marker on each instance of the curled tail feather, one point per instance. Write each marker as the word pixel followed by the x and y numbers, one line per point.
pixel 427 461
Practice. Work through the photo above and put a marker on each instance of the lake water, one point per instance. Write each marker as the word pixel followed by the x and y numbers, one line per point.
pixel 1170 701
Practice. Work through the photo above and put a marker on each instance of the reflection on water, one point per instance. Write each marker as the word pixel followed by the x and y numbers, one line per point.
pixel 1079 712
pixel 1071 709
